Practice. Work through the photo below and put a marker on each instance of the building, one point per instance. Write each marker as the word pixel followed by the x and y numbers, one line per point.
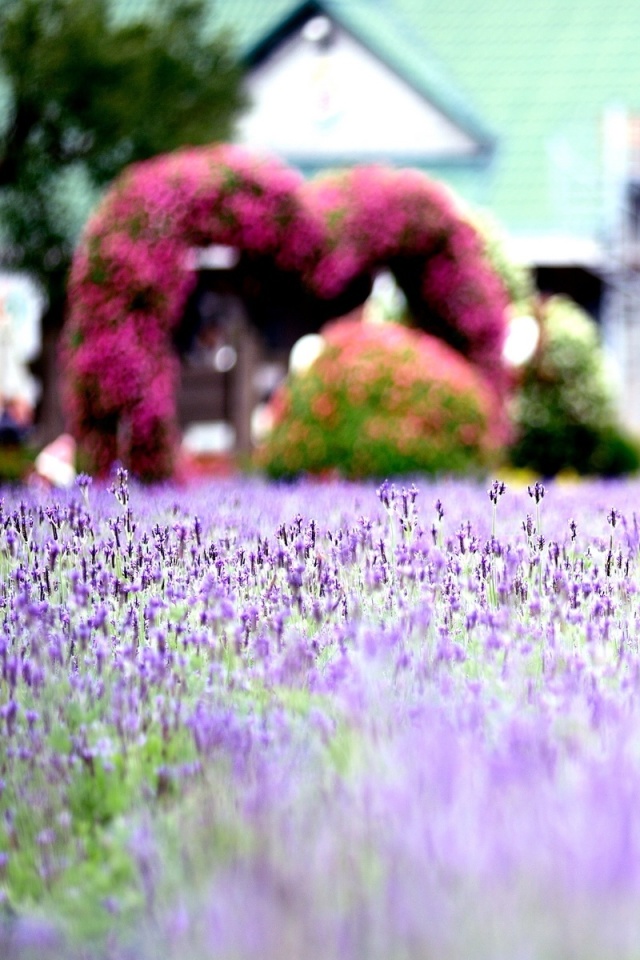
pixel 528 110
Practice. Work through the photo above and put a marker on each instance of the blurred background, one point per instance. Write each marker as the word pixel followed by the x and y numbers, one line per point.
pixel 529 112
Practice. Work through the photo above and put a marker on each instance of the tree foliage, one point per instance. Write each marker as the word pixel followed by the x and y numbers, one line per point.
pixel 87 93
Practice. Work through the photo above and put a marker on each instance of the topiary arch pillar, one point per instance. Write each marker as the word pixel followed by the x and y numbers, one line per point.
pixel 131 279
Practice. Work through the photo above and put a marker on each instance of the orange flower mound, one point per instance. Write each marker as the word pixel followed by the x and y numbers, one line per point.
pixel 382 400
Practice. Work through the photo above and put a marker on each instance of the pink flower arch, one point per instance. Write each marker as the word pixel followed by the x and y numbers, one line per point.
pixel 130 278
pixel 130 281
pixel 376 216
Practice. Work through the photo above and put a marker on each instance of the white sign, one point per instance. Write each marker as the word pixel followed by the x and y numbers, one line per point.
pixel 21 308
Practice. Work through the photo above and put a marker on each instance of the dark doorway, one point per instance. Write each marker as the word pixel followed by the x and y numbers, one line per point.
pixel 583 286
pixel 238 329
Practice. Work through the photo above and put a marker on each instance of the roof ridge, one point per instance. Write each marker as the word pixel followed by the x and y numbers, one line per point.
pixel 458 104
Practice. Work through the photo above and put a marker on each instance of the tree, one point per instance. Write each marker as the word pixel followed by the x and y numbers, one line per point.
pixel 86 93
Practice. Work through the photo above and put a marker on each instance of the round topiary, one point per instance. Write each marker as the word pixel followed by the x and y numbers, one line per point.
pixel 381 400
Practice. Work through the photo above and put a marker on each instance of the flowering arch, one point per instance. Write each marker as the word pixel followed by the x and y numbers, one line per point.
pixel 376 216
pixel 130 279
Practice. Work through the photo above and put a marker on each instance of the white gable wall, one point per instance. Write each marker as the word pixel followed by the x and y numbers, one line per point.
pixel 309 103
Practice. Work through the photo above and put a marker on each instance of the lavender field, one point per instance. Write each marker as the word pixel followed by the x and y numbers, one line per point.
pixel 256 722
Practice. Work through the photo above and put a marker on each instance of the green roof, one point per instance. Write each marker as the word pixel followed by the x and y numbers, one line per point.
pixel 542 73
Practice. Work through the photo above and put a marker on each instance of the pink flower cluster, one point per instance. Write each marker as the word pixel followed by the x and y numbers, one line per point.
pixel 130 278
pixel 377 216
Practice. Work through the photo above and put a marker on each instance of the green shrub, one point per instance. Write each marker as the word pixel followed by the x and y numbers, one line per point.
pixel 564 410
pixel 16 462
pixel 381 400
